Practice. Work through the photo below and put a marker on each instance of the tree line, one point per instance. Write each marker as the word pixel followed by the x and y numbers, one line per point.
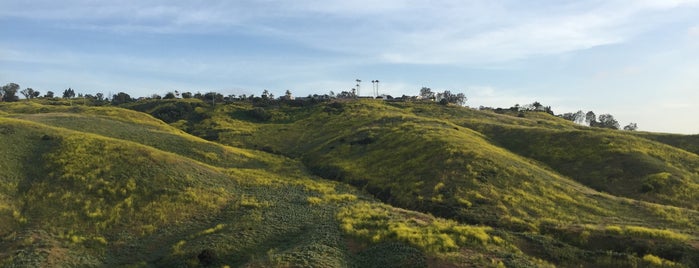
pixel 601 121
pixel 9 92
pixel 587 119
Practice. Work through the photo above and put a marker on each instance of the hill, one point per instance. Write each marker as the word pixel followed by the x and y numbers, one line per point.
pixel 105 186
pixel 464 164
pixel 336 184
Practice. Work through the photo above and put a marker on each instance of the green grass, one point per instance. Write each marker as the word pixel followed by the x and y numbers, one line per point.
pixel 475 167
pixel 338 184
pixel 86 187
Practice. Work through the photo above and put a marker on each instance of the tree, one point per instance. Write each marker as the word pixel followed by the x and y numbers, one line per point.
pixel 568 116
pixel 345 95
pixel 186 95
pixel 68 93
pixel 537 106
pixel 28 93
pixel 9 92
pixel 120 98
pixel 447 97
pixel 287 95
pixel 631 127
pixel 49 94
pixel 607 121
pixel 169 95
pixel 35 94
pixel 266 95
pixel 426 93
pixel 99 96
pixel 591 118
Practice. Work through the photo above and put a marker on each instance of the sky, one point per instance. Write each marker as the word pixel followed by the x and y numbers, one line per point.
pixel 635 59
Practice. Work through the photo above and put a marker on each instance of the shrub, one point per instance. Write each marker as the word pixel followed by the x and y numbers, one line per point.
pixel 207 257
pixel 260 114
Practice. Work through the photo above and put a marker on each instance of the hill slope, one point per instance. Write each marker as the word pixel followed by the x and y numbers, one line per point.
pixel 104 186
pixel 514 174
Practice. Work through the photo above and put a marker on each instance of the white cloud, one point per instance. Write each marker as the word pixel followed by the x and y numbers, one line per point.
pixel 395 31
pixel 693 31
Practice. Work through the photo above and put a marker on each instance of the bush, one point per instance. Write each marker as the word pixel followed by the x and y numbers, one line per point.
pixel 207 257
pixel 260 114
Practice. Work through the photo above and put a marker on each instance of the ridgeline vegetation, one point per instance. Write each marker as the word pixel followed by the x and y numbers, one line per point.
pixel 334 180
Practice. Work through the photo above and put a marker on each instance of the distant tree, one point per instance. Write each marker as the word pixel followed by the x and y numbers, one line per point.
pixel 447 97
pixel 68 93
pixel 35 94
pixel 99 96
pixel 631 127
pixel 591 118
pixel 121 98
pixel 213 97
pixel 169 96
pixel 568 116
pixel 577 117
pixel 607 121
pixel 266 95
pixel 49 94
pixel 28 93
pixel 9 92
pixel 426 93
pixel 155 97
pixel 345 95
pixel 287 95
pixel 186 95
pixel 537 106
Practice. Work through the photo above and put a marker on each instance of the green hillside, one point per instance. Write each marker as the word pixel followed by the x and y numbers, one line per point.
pixel 82 189
pixel 337 184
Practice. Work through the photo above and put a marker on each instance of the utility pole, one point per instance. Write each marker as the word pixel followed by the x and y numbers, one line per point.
pixel 377 89
pixel 373 87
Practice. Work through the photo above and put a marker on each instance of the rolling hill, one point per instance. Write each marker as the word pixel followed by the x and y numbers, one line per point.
pixel 337 184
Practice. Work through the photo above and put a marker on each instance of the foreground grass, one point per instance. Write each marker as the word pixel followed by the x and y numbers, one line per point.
pixel 96 186
pixel 509 173
pixel 86 193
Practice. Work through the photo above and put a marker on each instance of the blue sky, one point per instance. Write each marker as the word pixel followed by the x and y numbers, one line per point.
pixel 635 59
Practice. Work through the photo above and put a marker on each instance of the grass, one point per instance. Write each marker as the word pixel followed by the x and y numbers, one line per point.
pixel 484 168
pixel 96 190
pixel 610 161
pixel 344 184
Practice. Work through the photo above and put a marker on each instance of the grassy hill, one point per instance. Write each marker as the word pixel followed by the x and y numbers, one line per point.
pixel 337 184
pixel 105 186
pixel 460 164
